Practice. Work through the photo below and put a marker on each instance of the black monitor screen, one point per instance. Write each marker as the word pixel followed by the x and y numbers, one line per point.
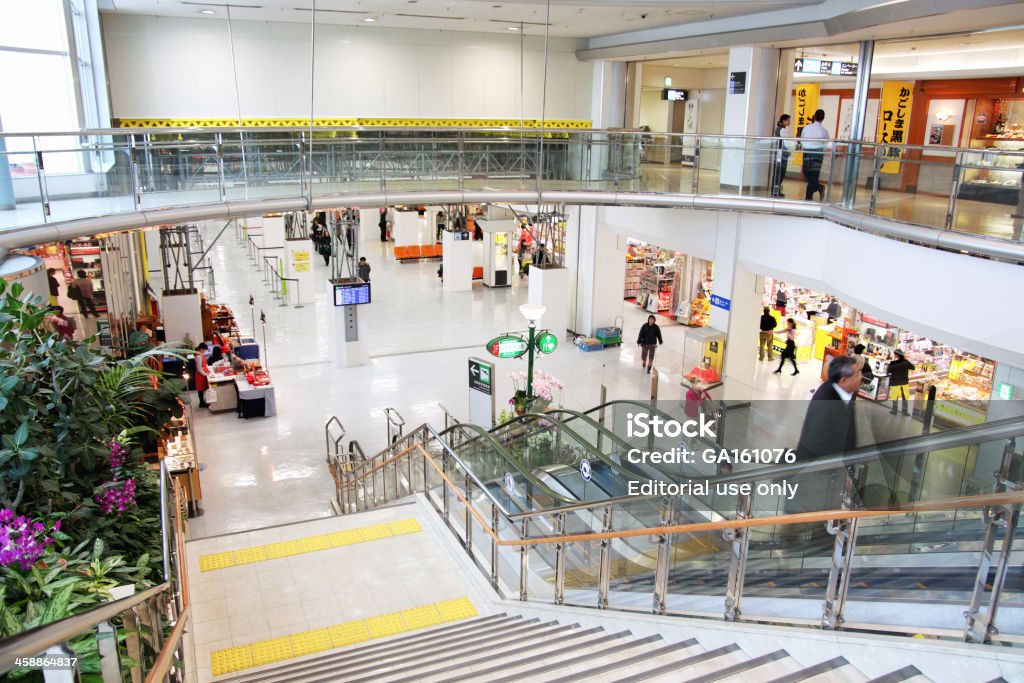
pixel 352 293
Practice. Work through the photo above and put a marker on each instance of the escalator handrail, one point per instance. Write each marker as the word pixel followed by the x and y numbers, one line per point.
pixel 646 405
pixel 890 450
pixel 486 436
pixel 609 434
pixel 597 455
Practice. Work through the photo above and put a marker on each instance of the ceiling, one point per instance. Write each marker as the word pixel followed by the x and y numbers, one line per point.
pixel 569 18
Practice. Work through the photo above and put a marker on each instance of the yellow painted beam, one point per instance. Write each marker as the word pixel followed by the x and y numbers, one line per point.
pixel 372 122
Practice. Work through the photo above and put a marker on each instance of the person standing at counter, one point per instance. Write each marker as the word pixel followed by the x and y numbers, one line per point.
pixel 768 324
pixel 202 373
pixel 899 382
pixel 53 285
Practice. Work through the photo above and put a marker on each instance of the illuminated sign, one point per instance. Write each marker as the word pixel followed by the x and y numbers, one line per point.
pixel 507 346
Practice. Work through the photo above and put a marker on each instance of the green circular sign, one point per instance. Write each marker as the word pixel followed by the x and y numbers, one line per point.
pixel 507 346
pixel 546 342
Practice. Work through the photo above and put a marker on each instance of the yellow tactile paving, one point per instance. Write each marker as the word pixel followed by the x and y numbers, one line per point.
pixel 309 544
pixel 350 633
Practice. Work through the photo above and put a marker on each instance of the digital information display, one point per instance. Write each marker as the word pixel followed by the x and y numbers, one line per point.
pixel 673 95
pixel 351 294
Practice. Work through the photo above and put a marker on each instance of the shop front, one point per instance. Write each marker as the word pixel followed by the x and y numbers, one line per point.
pixel 668 283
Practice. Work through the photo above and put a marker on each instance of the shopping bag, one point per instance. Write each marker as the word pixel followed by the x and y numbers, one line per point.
pixel 210 395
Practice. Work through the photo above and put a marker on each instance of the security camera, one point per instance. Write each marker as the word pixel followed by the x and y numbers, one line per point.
pixel 643 16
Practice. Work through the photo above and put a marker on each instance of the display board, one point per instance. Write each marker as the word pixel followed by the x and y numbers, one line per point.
pixel 351 293
pixel 481 393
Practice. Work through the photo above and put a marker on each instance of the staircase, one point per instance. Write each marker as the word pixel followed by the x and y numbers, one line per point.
pixel 507 649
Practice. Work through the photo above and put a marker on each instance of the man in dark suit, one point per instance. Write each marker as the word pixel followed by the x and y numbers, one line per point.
pixel 829 429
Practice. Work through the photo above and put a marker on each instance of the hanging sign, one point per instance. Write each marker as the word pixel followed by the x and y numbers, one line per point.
pixel 806 105
pixel 894 122
pixel 737 82
pixel 546 342
pixel 507 346
pixel 721 302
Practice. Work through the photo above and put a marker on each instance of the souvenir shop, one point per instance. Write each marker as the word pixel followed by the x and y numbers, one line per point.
pixel 668 283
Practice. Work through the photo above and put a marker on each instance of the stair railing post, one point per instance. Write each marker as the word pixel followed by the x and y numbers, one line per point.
pixel 664 554
pixel 524 563
pixel 605 575
pixel 737 560
pixel 979 625
pixel 845 532
pixel 560 560
pixel 494 547
pixel 469 516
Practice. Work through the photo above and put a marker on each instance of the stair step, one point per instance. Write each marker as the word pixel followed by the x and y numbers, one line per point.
pixel 388 648
pixel 757 670
pixel 554 657
pixel 466 665
pixel 677 666
pixel 836 670
pixel 587 670
pixel 907 673
pixel 380 671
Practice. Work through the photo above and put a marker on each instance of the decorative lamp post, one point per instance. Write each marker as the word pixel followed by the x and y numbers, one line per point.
pixel 266 352
pixel 531 312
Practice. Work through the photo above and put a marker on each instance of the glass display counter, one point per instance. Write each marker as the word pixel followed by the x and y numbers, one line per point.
pixel 703 355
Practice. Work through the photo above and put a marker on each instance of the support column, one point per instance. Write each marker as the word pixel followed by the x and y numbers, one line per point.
pixel 755 71
pixel 348 333
pixel 743 290
pixel 550 288
pixel 608 95
pixel 600 274
pixel 860 108
pixel 6 186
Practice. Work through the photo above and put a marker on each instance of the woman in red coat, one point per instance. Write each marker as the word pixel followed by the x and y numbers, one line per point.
pixel 202 370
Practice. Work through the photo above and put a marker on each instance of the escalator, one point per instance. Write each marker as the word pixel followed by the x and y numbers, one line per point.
pixel 909 555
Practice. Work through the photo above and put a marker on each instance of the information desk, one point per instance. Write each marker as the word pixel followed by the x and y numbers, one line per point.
pixel 227 394
pixel 255 401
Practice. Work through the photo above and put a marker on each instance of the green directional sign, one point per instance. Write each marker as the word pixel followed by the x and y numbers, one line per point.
pixel 546 342
pixel 507 346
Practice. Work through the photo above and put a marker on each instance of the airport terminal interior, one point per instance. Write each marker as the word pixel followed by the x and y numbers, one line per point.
pixel 416 340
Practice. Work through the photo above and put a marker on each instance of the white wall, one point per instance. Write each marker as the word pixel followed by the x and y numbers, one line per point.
pixel 167 67
pixel 941 295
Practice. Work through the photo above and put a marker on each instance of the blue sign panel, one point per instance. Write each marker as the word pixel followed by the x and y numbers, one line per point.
pixel 720 302
pixel 585 469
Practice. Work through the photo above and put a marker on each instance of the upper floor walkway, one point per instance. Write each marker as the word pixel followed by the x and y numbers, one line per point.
pixel 69 184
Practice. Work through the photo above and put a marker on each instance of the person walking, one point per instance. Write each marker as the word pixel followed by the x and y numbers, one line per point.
pixel 813 139
pixel 899 381
pixel 85 295
pixel 383 225
pixel 782 151
pixel 54 285
pixel 363 269
pixel 767 334
pixel 829 427
pixel 440 225
pixel 650 337
pixel 789 353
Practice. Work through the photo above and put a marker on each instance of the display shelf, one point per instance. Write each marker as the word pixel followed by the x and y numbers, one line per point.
pixel 84 254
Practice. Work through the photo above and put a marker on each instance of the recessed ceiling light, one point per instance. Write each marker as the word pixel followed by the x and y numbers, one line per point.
pixel 206 11
pixel 369 20
pixel 513 28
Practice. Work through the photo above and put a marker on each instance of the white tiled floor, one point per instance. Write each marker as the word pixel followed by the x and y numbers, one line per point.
pixel 239 605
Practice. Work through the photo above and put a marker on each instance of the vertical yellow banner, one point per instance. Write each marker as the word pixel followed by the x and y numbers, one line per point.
pixel 806 105
pixel 894 122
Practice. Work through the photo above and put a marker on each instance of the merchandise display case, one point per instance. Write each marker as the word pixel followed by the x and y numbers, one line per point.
pixel 703 356
pixel 657 282
pixel 177 448
pixel 635 267
pixel 84 254
pixel 992 175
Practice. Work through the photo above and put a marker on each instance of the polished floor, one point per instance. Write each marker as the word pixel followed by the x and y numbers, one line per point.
pixel 265 471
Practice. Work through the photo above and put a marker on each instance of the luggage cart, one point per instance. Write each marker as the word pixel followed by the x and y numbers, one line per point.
pixel 611 336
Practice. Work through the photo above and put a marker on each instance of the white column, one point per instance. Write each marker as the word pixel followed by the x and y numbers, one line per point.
pixel 298 264
pixel 601 274
pixel 751 112
pixel 550 288
pixel 608 95
pixel 742 289
pixel 273 231
pixel 457 260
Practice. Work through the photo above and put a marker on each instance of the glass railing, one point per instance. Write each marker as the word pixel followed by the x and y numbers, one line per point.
pixel 63 176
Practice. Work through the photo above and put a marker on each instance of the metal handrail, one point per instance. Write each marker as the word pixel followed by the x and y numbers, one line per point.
pixel 44 637
pixel 327 435
pixel 925 443
pixel 165 659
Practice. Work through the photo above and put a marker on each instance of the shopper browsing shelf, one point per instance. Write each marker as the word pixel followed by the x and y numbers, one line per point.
pixel 649 339
pixel 789 353
pixel 81 290
pixel 767 334
pixel 899 382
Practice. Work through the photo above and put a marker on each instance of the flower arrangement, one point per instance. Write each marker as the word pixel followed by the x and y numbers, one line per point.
pixel 22 541
pixel 118 494
pixel 544 388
